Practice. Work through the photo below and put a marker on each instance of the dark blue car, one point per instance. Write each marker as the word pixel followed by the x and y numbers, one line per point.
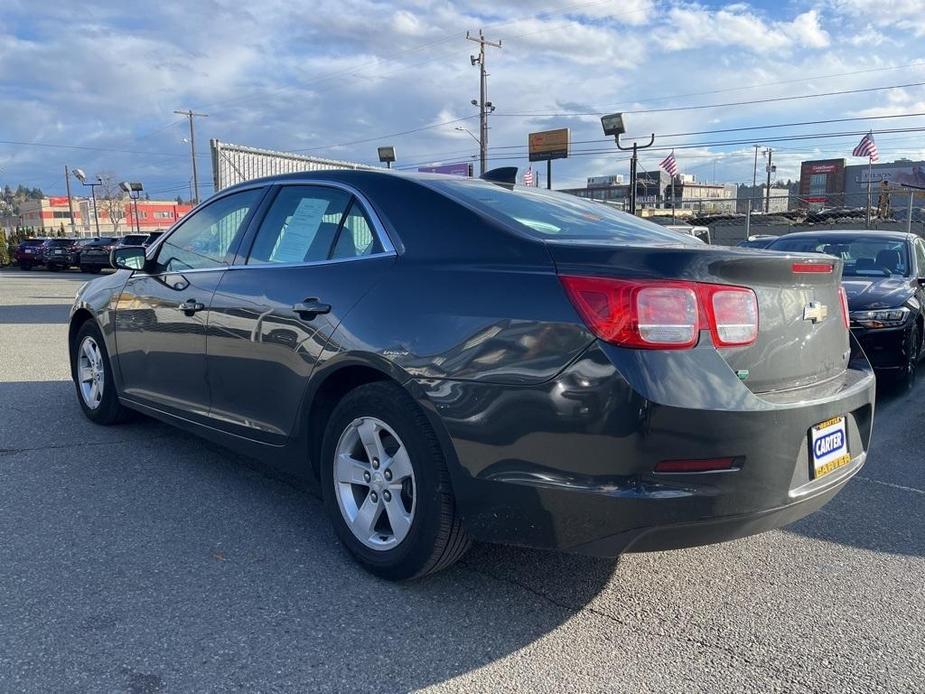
pixel 453 359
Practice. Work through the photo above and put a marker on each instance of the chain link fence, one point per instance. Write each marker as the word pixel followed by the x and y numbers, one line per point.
pixel 728 227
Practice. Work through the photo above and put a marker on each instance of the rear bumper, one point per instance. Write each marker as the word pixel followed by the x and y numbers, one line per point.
pixel 569 464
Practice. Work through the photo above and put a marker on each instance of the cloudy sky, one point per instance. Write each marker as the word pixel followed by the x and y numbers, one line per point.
pixel 95 84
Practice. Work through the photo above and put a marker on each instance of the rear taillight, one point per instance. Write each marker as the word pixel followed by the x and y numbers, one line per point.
pixel 664 314
pixel 844 306
pixel 734 318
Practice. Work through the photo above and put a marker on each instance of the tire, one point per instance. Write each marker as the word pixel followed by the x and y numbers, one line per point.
pixel 23 265
pixel 53 268
pixel 435 538
pixel 84 268
pixel 106 409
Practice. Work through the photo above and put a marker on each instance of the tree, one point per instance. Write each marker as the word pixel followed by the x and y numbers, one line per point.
pixel 5 254
pixel 111 200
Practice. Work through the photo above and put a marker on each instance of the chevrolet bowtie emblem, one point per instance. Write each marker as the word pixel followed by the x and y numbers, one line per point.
pixel 815 311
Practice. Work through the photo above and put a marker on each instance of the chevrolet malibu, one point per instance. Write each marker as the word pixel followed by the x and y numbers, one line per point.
pixel 453 360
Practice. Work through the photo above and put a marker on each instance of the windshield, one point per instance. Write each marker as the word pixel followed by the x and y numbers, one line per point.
pixel 863 256
pixel 557 216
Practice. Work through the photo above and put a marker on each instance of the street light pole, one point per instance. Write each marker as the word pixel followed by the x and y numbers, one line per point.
pixel 82 177
pixel 636 146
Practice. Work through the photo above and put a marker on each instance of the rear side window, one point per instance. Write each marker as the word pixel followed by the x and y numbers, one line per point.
pixel 356 237
pixel 301 225
pixel 557 216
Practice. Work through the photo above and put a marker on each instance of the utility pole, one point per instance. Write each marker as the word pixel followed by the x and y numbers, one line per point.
pixel 767 190
pixel 751 196
pixel 70 201
pixel 485 106
pixel 192 145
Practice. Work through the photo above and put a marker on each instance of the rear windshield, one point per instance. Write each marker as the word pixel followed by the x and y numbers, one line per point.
pixel 58 242
pixel 102 241
pixel 134 239
pixel 557 216
pixel 863 256
pixel 33 242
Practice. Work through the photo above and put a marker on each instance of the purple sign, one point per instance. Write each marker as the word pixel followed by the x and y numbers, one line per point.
pixel 461 169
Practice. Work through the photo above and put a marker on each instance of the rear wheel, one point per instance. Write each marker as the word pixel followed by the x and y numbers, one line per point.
pixel 96 391
pixel 386 486
pixel 24 265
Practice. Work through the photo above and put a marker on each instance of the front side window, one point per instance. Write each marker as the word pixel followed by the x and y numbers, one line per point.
pixel 920 256
pixel 203 241
pixel 301 225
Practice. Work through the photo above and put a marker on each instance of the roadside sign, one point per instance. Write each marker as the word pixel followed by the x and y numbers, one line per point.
pixel 549 144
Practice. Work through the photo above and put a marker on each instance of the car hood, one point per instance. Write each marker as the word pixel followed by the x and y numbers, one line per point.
pixel 868 293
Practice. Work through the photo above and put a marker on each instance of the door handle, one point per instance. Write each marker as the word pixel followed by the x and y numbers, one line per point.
pixel 191 306
pixel 310 308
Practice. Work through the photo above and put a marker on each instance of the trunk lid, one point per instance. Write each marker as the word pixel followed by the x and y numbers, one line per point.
pixel 802 338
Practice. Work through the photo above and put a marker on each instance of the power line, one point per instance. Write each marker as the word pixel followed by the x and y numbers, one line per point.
pixel 88 148
pixel 708 106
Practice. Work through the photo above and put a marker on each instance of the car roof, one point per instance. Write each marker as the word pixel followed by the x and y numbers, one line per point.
pixel 352 176
pixel 847 233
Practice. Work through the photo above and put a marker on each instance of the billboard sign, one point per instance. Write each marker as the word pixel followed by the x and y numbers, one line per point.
pixel 549 144
pixel 458 169
pixel 911 174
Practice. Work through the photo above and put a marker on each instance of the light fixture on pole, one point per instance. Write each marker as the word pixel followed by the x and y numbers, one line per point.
pixel 82 177
pixel 133 189
pixel 387 156
pixel 613 125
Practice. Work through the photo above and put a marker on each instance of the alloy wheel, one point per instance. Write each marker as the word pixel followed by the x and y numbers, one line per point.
pixel 374 483
pixel 91 373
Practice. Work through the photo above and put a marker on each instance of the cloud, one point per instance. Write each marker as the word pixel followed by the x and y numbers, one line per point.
pixel 339 77
pixel 693 26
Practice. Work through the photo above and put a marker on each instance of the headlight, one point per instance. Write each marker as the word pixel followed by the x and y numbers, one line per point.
pixel 883 318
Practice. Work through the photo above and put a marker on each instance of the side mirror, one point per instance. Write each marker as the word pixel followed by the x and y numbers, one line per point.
pixel 128 258
pixel 921 281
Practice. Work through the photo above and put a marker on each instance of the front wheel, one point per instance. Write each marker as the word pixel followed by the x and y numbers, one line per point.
pixel 913 353
pixel 96 390
pixel 386 486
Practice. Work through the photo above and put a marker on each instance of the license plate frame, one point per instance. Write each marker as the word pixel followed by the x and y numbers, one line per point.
pixel 828 446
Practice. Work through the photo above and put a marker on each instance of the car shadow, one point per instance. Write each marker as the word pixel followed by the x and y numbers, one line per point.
pixel 34 313
pixel 141 533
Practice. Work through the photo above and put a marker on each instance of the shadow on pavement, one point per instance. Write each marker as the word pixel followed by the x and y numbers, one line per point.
pixel 34 314
pixel 143 544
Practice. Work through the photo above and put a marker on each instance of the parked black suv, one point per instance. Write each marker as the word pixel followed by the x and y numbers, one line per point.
pixel 95 255
pixel 57 254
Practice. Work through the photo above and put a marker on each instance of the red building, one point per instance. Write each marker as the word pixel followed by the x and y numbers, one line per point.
pixel 52 214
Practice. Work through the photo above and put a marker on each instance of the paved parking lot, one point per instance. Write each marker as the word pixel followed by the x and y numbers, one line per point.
pixel 138 558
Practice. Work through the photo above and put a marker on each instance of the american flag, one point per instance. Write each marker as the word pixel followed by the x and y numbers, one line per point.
pixel 867 148
pixel 670 164
pixel 529 177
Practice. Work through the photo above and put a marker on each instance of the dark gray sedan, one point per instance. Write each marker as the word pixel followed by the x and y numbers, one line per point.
pixel 454 359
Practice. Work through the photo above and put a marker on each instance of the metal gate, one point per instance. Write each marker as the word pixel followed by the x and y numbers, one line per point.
pixel 233 164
